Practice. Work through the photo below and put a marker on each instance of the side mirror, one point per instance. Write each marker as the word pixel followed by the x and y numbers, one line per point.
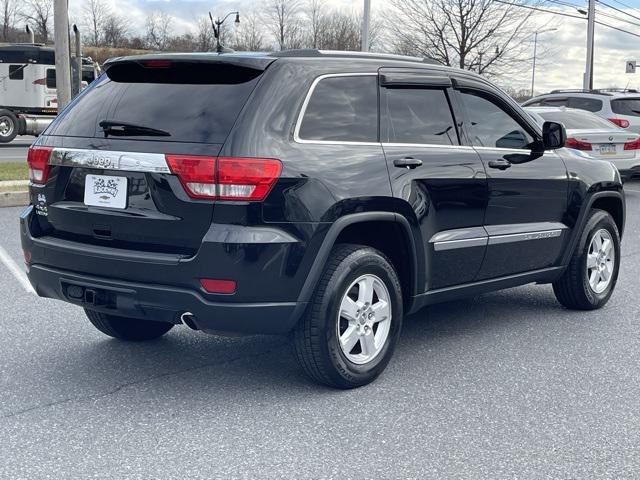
pixel 553 135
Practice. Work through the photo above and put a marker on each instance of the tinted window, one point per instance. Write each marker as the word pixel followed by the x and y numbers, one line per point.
pixel 626 106
pixel 417 115
pixel 51 78
pixel 16 72
pixel 588 104
pixel 491 126
pixel 193 102
pixel 342 109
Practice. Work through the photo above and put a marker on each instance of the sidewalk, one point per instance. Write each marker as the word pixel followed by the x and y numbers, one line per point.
pixel 14 193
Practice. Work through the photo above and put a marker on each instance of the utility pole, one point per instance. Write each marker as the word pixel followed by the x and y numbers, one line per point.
pixel 77 82
pixel 366 21
pixel 32 36
pixel 535 52
pixel 591 21
pixel 63 62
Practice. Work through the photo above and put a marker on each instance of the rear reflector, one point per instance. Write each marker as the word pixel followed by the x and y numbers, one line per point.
pixel 635 145
pixel 218 286
pixel 225 178
pixel 577 144
pixel 38 160
pixel 622 123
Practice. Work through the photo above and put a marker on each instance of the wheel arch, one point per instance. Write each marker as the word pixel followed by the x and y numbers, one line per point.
pixel 358 228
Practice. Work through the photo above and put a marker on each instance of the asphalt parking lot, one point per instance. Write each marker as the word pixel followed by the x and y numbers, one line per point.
pixel 16 150
pixel 505 385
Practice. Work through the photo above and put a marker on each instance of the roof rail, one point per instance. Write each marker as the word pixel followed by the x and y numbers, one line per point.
pixel 581 90
pixel 311 52
pixel 619 90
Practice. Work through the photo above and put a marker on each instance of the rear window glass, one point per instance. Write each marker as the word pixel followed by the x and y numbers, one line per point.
pixel 578 120
pixel 417 115
pixel 192 102
pixel 626 106
pixel 588 104
pixel 343 109
pixel 16 72
pixel 51 78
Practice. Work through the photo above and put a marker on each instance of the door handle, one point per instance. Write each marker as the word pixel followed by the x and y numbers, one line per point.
pixel 407 162
pixel 500 164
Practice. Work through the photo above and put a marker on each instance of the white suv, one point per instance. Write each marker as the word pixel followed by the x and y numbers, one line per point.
pixel 621 107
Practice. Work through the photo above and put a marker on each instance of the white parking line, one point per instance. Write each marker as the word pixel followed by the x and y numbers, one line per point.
pixel 15 270
pixel 631 190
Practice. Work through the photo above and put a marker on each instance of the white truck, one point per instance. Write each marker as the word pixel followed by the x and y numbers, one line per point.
pixel 28 100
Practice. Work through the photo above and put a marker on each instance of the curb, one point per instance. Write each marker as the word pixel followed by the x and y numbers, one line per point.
pixel 12 195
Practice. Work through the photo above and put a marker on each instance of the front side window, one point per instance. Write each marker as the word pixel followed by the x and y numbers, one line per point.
pixel 588 104
pixel 342 109
pixel 417 115
pixel 491 126
pixel 16 72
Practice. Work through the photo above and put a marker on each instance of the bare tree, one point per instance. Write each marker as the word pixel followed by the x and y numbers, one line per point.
pixel 38 13
pixel 9 13
pixel 480 35
pixel 95 14
pixel 250 36
pixel 158 30
pixel 283 20
pixel 316 17
pixel 339 31
pixel 116 29
pixel 205 39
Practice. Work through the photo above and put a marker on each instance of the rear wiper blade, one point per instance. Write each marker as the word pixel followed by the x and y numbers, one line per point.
pixel 118 128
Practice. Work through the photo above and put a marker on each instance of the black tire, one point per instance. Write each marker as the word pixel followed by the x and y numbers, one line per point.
pixel 316 337
pixel 7 117
pixel 573 289
pixel 130 329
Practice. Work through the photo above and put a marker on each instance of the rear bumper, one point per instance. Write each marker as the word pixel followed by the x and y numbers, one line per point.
pixel 163 303
pixel 160 286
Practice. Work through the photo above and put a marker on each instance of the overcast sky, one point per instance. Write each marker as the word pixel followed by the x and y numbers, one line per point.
pixel 566 48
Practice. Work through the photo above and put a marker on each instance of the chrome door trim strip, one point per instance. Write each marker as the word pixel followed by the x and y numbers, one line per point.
pixel 109 160
pixel 523 237
pixel 495 235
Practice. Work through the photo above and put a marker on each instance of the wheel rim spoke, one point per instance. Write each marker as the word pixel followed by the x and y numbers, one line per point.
pixel 592 260
pixel 365 291
pixel 368 344
pixel 381 311
pixel 349 338
pixel 348 309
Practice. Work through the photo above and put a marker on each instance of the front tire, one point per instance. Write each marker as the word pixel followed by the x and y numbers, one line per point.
pixel 591 276
pixel 8 126
pixel 130 329
pixel 352 325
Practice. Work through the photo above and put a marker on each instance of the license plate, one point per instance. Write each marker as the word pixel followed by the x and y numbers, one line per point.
pixel 608 149
pixel 105 191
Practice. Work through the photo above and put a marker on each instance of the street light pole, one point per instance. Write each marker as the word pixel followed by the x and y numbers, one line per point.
pixel 591 21
pixel 216 28
pixel 366 21
pixel 535 52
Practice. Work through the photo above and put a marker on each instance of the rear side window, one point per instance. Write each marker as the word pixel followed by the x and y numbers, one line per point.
pixel 342 109
pixel 626 106
pixel 16 72
pixel 417 115
pixel 192 102
pixel 588 104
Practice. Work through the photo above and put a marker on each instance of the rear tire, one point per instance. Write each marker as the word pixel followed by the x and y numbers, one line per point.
pixel 130 329
pixel 353 322
pixel 583 286
pixel 8 126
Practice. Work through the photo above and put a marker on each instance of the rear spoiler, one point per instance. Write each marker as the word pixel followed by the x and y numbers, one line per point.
pixel 256 62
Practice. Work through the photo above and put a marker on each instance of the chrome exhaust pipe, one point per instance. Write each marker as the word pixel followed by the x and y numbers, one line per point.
pixel 187 319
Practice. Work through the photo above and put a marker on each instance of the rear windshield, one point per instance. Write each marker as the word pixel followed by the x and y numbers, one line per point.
pixel 626 106
pixel 577 120
pixel 190 102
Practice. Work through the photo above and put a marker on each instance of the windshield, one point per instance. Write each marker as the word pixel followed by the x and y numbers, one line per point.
pixel 577 120
pixel 626 106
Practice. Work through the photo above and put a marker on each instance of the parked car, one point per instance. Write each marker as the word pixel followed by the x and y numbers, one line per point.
pixel 595 136
pixel 619 106
pixel 319 194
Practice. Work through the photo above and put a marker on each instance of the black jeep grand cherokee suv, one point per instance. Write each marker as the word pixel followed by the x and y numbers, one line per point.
pixel 319 193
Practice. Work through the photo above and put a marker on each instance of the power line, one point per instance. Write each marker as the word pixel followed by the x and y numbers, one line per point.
pixel 627 6
pixel 553 12
pixel 631 22
pixel 617 9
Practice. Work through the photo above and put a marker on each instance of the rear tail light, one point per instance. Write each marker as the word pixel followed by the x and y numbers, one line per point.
pixel 38 160
pixel 622 123
pixel 577 144
pixel 218 286
pixel 635 145
pixel 156 63
pixel 225 178
pixel 197 174
pixel 40 81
